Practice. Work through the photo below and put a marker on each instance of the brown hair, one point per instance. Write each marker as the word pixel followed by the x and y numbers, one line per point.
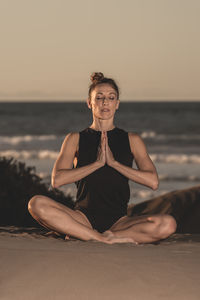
pixel 98 78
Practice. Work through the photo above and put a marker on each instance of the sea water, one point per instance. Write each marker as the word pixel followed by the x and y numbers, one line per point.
pixel 33 133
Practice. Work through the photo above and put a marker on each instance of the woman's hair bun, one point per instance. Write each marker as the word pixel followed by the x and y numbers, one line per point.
pixel 96 76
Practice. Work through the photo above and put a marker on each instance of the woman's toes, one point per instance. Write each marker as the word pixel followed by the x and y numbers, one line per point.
pixel 66 237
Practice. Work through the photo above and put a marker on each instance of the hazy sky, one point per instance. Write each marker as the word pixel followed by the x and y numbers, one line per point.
pixel 48 48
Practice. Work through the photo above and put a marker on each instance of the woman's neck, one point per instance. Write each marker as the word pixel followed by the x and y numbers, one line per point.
pixel 102 125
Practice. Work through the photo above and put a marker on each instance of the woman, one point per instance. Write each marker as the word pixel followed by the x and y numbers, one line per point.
pixel 99 160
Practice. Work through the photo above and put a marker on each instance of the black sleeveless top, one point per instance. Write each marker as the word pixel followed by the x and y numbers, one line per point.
pixel 105 191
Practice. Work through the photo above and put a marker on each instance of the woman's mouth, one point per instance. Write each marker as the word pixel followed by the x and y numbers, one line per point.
pixel 105 110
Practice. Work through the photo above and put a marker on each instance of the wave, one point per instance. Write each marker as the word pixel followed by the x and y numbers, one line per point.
pixel 49 154
pixel 15 140
pixel 42 154
pixel 176 158
pixel 163 177
pixel 158 136
pixel 148 134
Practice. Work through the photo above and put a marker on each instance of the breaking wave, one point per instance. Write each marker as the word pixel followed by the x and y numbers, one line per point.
pixel 34 154
pixel 32 139
pixel 49 154
pixel 168 137
pixel 15 140
pixel 176 158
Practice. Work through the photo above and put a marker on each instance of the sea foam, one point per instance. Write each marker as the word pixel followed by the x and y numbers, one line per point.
pixel 15 140
pixel 49 154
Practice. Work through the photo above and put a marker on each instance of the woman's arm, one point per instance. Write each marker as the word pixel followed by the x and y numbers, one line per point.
pixel 146 173
pixel 62 171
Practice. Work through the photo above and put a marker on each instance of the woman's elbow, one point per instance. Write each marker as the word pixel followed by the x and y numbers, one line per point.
pixel 54 182
pixel 155 184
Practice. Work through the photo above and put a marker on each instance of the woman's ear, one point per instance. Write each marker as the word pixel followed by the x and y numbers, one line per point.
pixel 89 103
pixel 117 106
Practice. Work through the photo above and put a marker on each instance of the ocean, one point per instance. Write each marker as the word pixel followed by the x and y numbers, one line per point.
pixel 33 133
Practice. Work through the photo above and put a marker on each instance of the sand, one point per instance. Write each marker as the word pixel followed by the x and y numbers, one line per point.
pixel 34 266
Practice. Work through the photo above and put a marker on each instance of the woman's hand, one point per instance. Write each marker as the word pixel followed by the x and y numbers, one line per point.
pixel 109 156
pixel 104 154
pixel 101 155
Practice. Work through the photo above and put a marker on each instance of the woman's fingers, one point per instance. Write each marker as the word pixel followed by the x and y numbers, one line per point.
pixel 109 155
pixel 103 140
pixel 104 153
pixel 101 155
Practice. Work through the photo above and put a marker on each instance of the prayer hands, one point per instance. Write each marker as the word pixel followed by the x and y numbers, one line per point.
pixel 104 153
pixel 109 156
pixel 101 155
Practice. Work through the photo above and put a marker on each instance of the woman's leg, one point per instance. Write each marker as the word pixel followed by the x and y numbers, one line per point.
pixel 144 229
pixel 62 219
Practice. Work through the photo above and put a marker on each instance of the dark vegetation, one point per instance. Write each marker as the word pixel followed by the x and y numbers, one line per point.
pixel 18 183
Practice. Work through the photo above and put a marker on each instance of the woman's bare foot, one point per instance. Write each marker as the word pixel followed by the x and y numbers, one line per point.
pixel 67 237
pixel 110 238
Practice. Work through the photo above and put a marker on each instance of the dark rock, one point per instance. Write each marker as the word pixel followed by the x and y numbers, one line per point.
pixel 183 205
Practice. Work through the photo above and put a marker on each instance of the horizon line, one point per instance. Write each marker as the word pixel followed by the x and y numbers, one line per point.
pixel 83 101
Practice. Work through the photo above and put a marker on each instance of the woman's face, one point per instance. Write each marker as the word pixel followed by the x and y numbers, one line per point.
pixel 103 102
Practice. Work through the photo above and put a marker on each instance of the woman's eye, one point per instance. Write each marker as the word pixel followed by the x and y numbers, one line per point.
pixel 102 98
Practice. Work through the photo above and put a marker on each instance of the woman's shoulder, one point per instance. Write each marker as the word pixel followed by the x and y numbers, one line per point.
pixel 134 135
pixel 135 139
pixel 72 135
pixel 71 138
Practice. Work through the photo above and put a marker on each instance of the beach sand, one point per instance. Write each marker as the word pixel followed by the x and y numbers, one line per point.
pixel 34 266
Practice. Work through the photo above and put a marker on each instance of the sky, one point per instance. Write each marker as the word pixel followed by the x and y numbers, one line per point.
pixel 49 48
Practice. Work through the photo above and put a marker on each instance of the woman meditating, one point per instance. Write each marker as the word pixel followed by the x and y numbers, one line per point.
pixel 99 160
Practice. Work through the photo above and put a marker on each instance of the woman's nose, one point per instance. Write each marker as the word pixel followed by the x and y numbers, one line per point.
pixel 105 101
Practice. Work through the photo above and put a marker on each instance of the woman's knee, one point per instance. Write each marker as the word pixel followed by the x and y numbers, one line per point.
pixel 167 227
pixel 36 204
